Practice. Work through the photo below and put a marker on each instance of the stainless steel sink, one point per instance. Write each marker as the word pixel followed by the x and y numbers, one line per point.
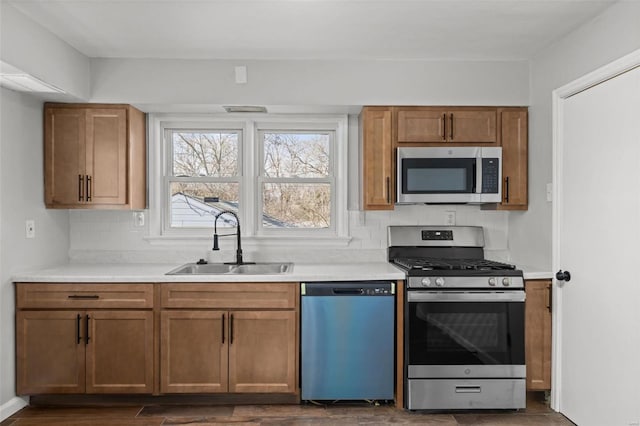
pixel 263 268
pixel 221 269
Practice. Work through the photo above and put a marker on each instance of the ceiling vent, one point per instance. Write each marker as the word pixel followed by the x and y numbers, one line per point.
pixel 244 108
pixel 27 83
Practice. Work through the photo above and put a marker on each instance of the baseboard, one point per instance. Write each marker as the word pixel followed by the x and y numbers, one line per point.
pixel 12 406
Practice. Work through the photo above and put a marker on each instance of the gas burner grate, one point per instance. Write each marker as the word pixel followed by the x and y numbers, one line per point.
pixel 428 264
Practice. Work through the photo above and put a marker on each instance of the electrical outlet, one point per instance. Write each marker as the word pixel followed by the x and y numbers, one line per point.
pixel 138 219
pixel 30 228
pixel 450 218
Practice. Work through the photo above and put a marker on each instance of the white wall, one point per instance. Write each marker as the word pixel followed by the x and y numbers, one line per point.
pixel 34 50
pixel 157 84
pixel 611 35
pixel 310 82
pixel 21 198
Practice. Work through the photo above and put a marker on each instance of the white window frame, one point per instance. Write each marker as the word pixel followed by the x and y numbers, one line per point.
pixel 309 128
pixel 251 167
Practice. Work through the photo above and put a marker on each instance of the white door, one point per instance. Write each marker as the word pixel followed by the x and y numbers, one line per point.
pixel 597 239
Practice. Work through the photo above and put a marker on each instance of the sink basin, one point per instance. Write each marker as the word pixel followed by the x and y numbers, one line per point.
pixel 221 269
pixel 263 268
pixel 201 269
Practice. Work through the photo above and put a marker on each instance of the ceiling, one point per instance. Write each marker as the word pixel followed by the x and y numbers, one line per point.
pixel 311 29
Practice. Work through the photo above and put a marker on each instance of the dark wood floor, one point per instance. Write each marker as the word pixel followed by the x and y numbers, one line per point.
pixel 537 413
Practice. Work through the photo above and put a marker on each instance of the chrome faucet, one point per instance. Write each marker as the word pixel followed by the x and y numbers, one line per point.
pixel 239 260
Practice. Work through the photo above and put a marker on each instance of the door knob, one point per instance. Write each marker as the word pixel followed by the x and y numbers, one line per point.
pixel 563 275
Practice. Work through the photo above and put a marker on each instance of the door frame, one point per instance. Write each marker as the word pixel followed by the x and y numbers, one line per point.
pixel 606 72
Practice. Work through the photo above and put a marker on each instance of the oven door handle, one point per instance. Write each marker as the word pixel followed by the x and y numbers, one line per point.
pixel 465 296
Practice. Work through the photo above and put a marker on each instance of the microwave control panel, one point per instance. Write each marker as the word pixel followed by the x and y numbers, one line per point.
pixel 490 175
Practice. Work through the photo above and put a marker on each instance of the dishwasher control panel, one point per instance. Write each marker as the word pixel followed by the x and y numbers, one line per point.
pixel 348 288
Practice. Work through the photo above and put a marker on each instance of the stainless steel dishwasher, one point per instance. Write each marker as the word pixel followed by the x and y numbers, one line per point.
pixel 347 340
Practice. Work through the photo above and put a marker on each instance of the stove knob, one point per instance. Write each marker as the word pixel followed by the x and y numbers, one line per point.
pixel 492 281
pixel 506 281
pixel 439 281
pixel 426 282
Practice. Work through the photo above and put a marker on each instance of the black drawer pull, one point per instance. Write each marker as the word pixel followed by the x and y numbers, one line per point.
pixel 84 296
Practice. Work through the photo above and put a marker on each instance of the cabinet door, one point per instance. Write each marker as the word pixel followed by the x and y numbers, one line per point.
pixel 194 352
pixel 421 125
pixel 64 156
pixel 538 334
pixel 514 159
pixel 262 351
pixel 468 126
pixel 49 352
pixel 106 156
pixel 377 158
pixel 119 351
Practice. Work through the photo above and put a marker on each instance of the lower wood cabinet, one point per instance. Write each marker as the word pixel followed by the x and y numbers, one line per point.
pixel 84 338
pixel 104 338
pixel 243 341
pixel 538 334
pixel 84 352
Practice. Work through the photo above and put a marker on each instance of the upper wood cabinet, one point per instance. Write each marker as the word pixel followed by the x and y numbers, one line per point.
pixel 94 156
pixel 449 125
pixel 378 181
pixel 514 127
pixel 538 334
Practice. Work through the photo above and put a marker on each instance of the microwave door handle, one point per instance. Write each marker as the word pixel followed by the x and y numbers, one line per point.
pixel 479 174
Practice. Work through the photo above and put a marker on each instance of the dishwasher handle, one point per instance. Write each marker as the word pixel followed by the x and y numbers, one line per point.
pixel 348 291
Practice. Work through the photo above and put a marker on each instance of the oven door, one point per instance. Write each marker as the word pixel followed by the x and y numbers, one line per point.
pixel 468 334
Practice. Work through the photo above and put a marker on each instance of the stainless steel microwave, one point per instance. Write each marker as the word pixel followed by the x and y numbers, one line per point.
pixel 449 175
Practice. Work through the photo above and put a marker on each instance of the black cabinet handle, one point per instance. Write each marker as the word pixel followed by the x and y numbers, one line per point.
pixel 80 187
pixel 86 337
pixel 88 188
pixel 506 189
pixel 79 337
pixel 223 328
pixel 444 127
pixel 231 329
pixel 550 288
pixel 83 296
pixel 388 190
pixel 451 133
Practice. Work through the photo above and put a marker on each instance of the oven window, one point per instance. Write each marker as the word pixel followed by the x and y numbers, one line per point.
pixel 438 175
pixel 466 333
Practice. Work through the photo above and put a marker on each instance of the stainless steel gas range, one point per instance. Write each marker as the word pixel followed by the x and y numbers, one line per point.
pixel 464 321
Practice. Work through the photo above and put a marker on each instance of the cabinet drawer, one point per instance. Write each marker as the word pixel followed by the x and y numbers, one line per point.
pixel 81 296
pixel 230 295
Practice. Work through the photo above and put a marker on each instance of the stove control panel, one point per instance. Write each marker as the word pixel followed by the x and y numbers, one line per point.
pixel 454 282
pixel 428 282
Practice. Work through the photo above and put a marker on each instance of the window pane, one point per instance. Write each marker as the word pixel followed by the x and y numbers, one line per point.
pixel 292 205
pixel 296 154
pixel 205 153
pixel 195 205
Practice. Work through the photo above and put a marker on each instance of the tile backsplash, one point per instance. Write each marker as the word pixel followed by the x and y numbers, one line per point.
pixel 111 237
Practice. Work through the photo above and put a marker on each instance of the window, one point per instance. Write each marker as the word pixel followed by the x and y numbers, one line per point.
pixel 296 179
pixel 284 176
pixel 203 178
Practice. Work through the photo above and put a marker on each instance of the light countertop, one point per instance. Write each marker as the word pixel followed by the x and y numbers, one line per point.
pixel 535 273
pixel 153 272
pixel 140 272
